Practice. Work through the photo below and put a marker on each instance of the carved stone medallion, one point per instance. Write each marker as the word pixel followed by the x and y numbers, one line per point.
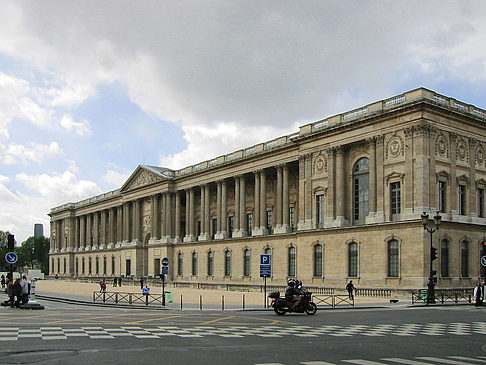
pixel 461 150
pixel 441 145
pixel 479 155
pixel 320 165
pixel 394 147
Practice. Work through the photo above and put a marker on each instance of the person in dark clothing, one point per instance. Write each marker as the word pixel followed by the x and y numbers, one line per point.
pixel 3 281
pixel 119 281
pixel 478 295
pixel 10 293
pixel 115 280
pixel 350 287
pixel 17 292
pixel 293 294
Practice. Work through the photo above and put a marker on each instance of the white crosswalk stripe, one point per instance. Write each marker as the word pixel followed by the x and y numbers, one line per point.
pixel 445 361
pixel 406 361
pixel 451 360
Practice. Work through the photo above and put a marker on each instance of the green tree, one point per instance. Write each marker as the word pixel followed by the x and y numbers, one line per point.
pixel 4 250
pixel 34 253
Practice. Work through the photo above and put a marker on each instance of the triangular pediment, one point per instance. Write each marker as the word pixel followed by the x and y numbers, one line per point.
pixel 146 175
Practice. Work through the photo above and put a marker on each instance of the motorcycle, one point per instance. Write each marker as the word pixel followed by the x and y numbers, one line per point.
pixel 281 306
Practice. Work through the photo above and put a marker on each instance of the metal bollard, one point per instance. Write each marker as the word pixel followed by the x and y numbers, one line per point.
pixel 200 302
pixel 181 301
pixel 243 301
pixel 222 302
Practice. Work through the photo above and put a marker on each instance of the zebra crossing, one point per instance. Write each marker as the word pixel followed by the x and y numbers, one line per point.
pixel 98 332
pixel 420 360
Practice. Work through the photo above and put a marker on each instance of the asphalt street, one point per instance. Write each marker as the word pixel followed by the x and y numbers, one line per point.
pixel 74 334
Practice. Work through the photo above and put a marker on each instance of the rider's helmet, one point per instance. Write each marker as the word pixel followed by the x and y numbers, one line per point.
pixel 291 283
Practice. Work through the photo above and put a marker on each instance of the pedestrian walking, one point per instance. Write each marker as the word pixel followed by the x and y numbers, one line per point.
pixel 141 283
pixel 119 281
pixel 350 287
pixel 3 281
pixel 114 281
pixel 25 290
pixel 17 292
pixel 478 295
pixel 103 287
pixel 10 293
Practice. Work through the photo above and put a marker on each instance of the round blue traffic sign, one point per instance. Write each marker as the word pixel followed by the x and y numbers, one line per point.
pixel 483 260
pixel 165 261
pixel 11 258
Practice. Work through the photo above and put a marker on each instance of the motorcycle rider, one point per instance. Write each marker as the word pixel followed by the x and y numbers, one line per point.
pixel 292 293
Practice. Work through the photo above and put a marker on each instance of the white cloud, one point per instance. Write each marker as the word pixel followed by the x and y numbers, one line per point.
pixel 83 128
pixel 15 153
pixel 116 179
pixel 60 188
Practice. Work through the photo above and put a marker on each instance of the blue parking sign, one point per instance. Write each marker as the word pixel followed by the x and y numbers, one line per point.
pixel 264 259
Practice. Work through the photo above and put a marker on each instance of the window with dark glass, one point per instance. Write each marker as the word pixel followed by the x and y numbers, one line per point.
pixel 291 253
pixel 89 266
pixel 442 196
pixel 246 265
pixel 210 263
pixel 444 258
pixel 104 265
pixel 194 263
pixel 249 223
pixel 464 260
pixel 227 263
pixel 361 190
pixel 320 210
pixel 481 203
pixel 59 266
pixel 128 267
pixel 462 200
pixel 97 265
pixel 64 264
pixel 77 266
pixel 179 263
pixel 269 221
pixel 231 225
pixel 292 217
pixel 214 226
pixel 353 260
pixel 83 266
pixel 156 267
pixel 112 265
pixel 395 200
pixel 393 259
pixel 317 260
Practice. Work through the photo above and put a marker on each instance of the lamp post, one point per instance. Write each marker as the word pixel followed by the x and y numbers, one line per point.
pixel 433 254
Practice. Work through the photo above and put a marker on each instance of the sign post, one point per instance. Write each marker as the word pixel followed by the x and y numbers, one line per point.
pixel 165 270
pixel 265 272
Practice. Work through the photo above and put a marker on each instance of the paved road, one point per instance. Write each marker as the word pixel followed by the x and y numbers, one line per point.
pixel 64 334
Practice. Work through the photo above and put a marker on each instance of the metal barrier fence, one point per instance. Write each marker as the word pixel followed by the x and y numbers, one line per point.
pixel 128 298
pixel 443 296
pixel 333 300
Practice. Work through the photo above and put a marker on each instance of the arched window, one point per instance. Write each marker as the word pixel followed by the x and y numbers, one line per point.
pixel 464 260
pixel 444 258
pixel 227 263
pixel 393 259
pixel 210 263
pixel 360 190
pixel 246 262
pixel 292 270
pixel 318 260
pixel 179 263
pixel 353 260
pixel 194 263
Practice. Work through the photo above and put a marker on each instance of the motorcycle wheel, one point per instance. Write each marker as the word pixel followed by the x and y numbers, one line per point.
pixel 311 309
pixel 279 310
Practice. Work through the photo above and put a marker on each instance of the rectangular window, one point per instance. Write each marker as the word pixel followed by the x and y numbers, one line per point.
pixel 214 226
pixel 442 196
pixel 291 271
pixel 128 268
pixel 462 200
pixel 112 265
pixel 292 218
pixel 395 201
pixel 156 267
pixel 320 211
pixel 231 225
pixel 269 221
pixel 249 223
pixel 481 203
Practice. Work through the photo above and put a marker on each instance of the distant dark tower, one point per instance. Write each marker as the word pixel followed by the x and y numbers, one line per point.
pixel 38 230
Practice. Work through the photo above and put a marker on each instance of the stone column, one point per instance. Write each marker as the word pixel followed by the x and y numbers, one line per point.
pixel 257 209
pixel 77 234
pixel 168 217
pixel 340 187
pixel 471 193
pixel 372 176
pixel 119 224
pixel 126 222
pixel 408 197
pixel 72 235
pixel 263 203
pixel 89 231
pixel 177 237
pixel 224 211
pixel 278 211
pixel 285 199
pixel 103 226
pixel 240 208
pixel 237 206
pixel 218 208
pixel 137 229
pixel 380 211
pixel 305 192
pixel 205 236
pixel 111 226
pixel 155 217
pixel 96 230
pixel 188 216
pixel 420 173
pixel 82 232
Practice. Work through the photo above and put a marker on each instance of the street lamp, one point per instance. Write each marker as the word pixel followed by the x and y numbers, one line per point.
pixel 433 254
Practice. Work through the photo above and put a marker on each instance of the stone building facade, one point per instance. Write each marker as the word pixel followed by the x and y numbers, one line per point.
pixel 340 199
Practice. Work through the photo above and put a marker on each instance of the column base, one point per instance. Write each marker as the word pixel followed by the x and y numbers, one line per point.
pixel 220 235
pixel 340 222
pixel 204 237
pixel 259 231
pixel 304 225
pixel 189 239
pixel 375 217
pixel 239 233
pixel 284 228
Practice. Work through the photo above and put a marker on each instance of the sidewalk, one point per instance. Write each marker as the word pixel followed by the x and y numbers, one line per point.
pixel 191 298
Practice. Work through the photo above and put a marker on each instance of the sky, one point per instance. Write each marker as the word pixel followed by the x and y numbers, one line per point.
pixel 89 90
